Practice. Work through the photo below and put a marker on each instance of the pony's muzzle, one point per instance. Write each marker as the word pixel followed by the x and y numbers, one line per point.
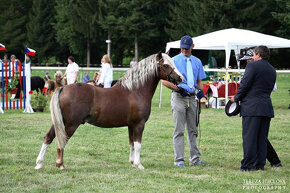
pixel 177 80
pixel 180 79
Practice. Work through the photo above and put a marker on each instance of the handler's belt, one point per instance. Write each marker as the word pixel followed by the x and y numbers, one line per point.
pixel 190 94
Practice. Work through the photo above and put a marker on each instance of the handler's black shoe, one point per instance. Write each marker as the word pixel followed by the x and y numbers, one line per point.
pixel 276 165
pixel 246 170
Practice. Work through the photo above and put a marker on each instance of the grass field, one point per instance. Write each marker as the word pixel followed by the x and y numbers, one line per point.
pixel 97 158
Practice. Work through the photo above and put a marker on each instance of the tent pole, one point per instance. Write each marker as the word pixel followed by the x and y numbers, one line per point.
pixel 160 95
pixel 237 53
pixel 228 54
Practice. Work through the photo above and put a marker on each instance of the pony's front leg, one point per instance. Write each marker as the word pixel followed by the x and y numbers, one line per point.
pixel 132 154
pixel 137 161
pixel 47 141
pixel 131 142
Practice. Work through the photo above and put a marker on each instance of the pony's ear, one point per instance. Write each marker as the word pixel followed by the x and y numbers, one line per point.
pixel 159 56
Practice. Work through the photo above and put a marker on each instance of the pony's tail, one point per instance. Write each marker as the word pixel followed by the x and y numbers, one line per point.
pixel 57 120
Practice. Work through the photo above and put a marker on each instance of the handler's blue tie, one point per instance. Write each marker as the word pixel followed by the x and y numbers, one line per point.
pixel 190 76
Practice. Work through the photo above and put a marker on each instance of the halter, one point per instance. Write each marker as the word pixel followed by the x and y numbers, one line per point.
pixel 167 74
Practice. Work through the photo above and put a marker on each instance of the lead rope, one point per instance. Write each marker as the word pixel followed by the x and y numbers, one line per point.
pixel 198 111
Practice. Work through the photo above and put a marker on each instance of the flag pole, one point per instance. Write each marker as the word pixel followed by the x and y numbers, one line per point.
pixel 1 110
pixel 28 108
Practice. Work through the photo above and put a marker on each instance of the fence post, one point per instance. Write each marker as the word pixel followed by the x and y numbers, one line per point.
pixel 28 108
pixel 3 87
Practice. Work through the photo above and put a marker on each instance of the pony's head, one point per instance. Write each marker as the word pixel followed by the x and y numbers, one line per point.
pixel 57 76
pixel 58 73
pixel 167 69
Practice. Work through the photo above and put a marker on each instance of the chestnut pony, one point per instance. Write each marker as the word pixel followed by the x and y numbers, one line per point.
pixel 127 103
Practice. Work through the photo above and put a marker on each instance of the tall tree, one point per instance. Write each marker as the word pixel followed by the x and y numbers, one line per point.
pixel 13 31
pixel 130 24
pixel 180 19
pixel 40 31
pixel 111 19
pixel 65 34
pixel 85 20
pixel 282 16
pixel 202 16
pixel 76 25
pixel 138 23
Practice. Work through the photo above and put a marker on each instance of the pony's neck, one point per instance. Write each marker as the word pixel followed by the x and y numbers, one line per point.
pixel 149 87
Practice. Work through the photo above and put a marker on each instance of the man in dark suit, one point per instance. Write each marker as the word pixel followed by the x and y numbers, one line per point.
pixel 256 108
pixel 247 54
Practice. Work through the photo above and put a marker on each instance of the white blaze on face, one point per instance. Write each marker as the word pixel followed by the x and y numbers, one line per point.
pixel 167 60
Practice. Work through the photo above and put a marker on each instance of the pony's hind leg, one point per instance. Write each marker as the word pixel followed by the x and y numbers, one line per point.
pixel 59 159
pixel 131 142
pixel 47 140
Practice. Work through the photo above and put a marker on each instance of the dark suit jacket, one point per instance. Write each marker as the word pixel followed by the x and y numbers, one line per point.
pixel 255 89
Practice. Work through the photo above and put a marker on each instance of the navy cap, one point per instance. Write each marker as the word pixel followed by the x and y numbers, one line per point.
pixel 186 42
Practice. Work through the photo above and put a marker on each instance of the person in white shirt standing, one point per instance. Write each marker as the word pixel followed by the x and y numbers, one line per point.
pixel 71 71
pixel 106 77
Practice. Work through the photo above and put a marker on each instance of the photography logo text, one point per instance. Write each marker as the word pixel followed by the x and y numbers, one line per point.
pixel 264 184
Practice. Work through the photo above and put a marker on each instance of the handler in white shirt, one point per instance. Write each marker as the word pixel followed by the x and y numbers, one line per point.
pixel 71 71
pixel 106 77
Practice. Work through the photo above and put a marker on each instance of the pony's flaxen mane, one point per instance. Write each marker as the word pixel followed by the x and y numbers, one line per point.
pixel 140 73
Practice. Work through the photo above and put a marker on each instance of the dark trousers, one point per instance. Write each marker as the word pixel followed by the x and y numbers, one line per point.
pixel 255 134
pixel 272 156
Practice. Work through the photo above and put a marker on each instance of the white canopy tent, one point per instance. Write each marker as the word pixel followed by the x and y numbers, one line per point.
pixel 232 39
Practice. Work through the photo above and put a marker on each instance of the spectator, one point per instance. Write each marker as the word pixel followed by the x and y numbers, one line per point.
pixel 15 62
pixel 27 59
pixel 47 77
pixel 133 62
pixel 5 59
pixel 106 76
pixel 71 71
pixel 86 77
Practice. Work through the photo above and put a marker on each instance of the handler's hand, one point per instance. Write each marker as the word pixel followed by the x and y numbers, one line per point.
pixel 182 92
pixel 199 94
pixel 233 99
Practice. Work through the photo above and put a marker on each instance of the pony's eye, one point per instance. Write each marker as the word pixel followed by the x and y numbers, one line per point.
pixel 166 65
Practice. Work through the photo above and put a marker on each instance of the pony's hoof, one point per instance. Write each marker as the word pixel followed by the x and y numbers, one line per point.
pixel 139 166
pixel 62 167
pixel 132 162
pixel 38 166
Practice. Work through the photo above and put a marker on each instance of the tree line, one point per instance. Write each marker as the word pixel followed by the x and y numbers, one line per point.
pixel 59 28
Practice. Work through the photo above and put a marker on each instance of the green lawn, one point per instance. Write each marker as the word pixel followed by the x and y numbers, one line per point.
pixel 97 158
